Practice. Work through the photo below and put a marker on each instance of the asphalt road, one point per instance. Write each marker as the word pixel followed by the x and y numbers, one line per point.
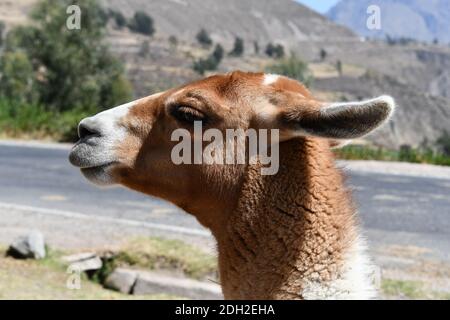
pixel 394 208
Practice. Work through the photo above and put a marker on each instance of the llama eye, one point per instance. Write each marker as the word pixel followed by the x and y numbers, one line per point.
pixel 187 114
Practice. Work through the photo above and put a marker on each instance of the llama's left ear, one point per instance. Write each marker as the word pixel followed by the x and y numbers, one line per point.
pixel 340 121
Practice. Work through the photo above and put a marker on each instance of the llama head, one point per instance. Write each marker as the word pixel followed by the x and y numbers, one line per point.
pixel 132 144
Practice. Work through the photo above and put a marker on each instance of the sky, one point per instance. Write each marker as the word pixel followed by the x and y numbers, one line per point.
pixel 321 6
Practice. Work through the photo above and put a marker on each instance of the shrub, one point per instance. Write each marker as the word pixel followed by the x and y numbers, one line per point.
pixel 218 53
pixel 256 47
pixel 275 51
pixel 2 29
pixel 173 41
pixel 203 38
pixel 443 143
pixel 206 64
pixel 339 67
pixel 16 82
pixel 323 54
pixel 211 62
pixel 292 67
pixel 405 154
pixel 144 49
pixel 269 49
pixel 62 69
pixel 142 23
pixel 279 51
pixel 119 18
pixel 238 48
pixel 34 120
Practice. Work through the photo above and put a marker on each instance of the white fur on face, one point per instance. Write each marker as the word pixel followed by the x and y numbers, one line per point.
pixel 107 122
pixel 95 156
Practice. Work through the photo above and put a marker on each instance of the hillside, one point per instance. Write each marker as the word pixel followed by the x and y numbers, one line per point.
pixel 423 20
pixel 417 75
pixel 282 21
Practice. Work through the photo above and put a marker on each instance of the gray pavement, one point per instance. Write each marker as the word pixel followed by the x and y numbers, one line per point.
pixel 402 209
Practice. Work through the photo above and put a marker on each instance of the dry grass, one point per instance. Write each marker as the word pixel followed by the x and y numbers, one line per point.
pixel 328 70
pixel 46 279
pixel 169 255
pixel 407 289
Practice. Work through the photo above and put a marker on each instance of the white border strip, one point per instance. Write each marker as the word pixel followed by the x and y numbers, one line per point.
pixel 127 222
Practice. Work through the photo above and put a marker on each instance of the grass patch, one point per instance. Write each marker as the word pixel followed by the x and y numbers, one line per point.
pixel 292 67
pixel 411 290
pixel 21 120
pixel 47 278
pixel 402 288
pixel 444 296
pixel 404 155
pixel 157 253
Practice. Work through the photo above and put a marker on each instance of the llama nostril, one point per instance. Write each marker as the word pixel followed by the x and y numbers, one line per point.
pixel 86 130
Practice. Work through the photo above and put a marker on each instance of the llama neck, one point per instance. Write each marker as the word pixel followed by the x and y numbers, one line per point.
pixel 290 233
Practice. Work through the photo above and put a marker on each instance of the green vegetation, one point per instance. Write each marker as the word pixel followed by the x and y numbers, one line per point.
pixel 204 64
pixel 402 41
pixel 52 76
pixel 292 67
pixel 339 68
pixel 2 30
pixel 47 278
pixel 142 23
pixel 210 63
pixel 393 288
pixel 173 41
pixel 407 289
pixel 118 17
pixel 323 54
pixel 405 154
pixel 256 47
pixel 218 53
pixel 204 39
pixel 275 51
pixel 144 50
pixel 157 253
pixel 238 47
pixel 18 120
pixel 443 143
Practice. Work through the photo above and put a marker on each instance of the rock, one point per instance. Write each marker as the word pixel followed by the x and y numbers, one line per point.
pixel 84 261
pixel 155 283
pixel 31 246
pixel 121 280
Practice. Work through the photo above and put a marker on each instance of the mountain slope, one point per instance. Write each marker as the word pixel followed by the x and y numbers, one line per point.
pixel 423 20
pixel 281 21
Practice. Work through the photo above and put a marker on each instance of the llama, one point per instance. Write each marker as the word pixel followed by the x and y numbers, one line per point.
pixel 291 235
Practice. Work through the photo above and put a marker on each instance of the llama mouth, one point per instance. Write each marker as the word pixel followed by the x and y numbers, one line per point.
pixel 85 156
pixel 98 166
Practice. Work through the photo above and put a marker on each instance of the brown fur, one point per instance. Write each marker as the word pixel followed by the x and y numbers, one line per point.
pixel 275 233
pixel 289 229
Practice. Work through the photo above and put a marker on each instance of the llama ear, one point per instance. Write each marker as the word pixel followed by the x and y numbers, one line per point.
pixel 341 121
